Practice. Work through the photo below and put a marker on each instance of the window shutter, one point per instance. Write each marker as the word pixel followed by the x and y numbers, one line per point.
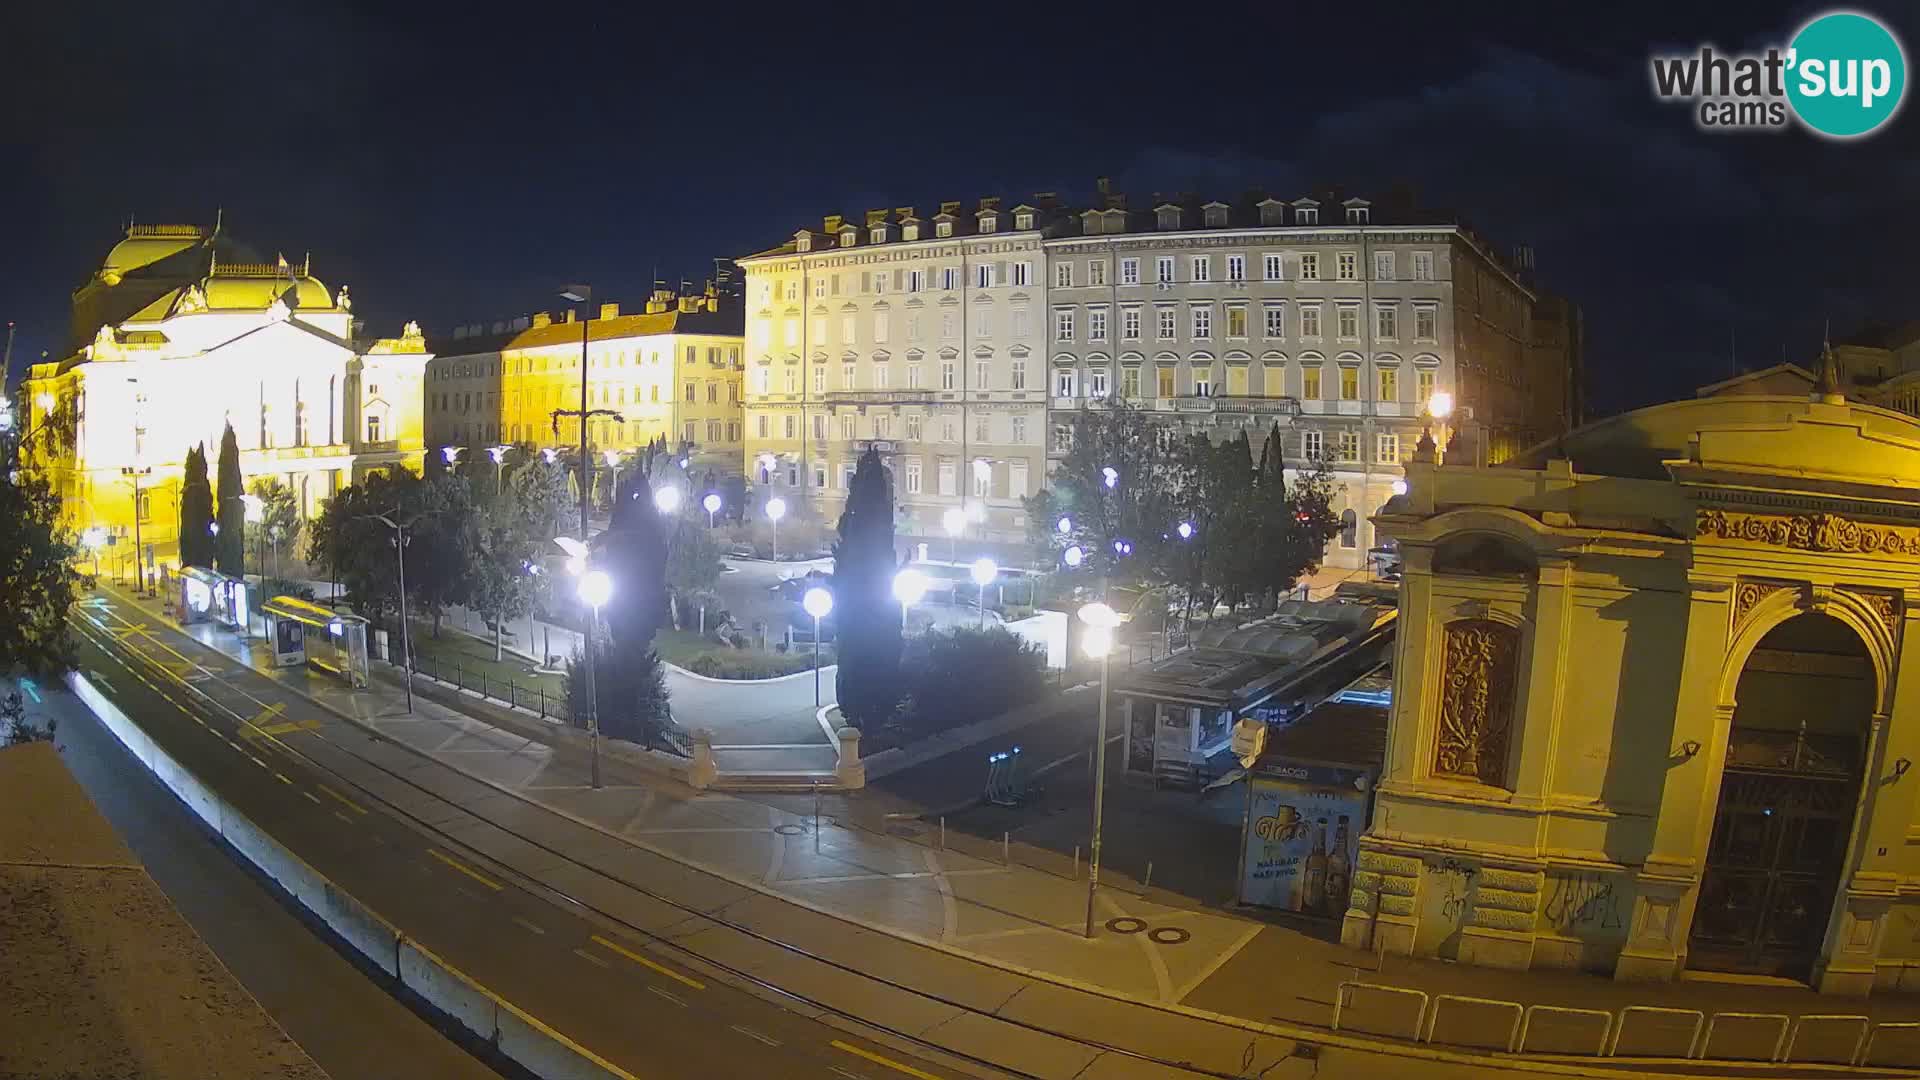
pixel 899 280
pixel 866 281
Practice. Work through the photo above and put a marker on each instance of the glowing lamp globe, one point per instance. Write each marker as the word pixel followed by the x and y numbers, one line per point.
pixel 1074 556
pixel 776 508
pixel 984 570
pixel 596 588
pixel 711 503
pixel 817 602
pixel 909 586
pixel 666 499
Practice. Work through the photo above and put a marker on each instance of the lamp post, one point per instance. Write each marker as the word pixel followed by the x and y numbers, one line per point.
pixel 776 509
pixel 1440 407
pixel 909 586
pixel 94 538
pixel 955 522
pixel 818 602
pixel 451 454
pixel 400 542
pixel 612 458
pixel 596 588
pixel 711 504
pixel 1098 643
pixel 983 572
pixel 499 456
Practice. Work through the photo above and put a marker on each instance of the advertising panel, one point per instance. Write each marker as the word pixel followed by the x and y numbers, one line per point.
pixel 1301 837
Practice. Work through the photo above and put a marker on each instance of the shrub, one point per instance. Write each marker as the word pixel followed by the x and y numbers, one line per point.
pixel 965 674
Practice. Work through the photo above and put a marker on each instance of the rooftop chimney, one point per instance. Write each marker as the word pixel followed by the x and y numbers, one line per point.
pixel 831 223
pixel 1046 200
pixel 903 213
pixel 543 318
pixel 610 311
pixel 991 202
pixel 876 217
pixel 950 208
pixel 569 316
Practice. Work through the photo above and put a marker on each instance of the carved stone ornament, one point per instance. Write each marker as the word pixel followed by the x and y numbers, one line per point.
pixel 1748 594
pixel 191 301
pixel 1810 532
pixel 1479 662
pixel 1884 604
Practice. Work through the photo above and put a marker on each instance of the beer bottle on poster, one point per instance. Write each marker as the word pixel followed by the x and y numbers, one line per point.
pixel 1339 869
pixel 1315 874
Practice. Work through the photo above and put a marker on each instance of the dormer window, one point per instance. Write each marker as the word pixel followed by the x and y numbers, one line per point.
pixel 1357 215
pixel 943 229
pixel 803 242
pixel 1169 217
pixel 879 234
pixel 1023 222
pixel 1216 216
pixel 849 236
pixel 909 232
pixel 989 222
pixel 1306 215
pixel 1272 213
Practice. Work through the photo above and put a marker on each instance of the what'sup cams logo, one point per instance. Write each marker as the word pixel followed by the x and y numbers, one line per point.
pixel 1843 76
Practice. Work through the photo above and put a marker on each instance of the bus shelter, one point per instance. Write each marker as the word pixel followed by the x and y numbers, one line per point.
pixel 209 596
pixel 303 632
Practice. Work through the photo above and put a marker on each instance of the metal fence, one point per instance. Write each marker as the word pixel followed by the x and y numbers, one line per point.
pixel 1636 1031
pixel 535 698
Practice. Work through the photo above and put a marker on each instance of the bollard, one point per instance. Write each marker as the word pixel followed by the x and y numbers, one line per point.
pixel 1006 848
pixel 1148 884
pixel 943 832
pixel 816 817
pixel 1076 862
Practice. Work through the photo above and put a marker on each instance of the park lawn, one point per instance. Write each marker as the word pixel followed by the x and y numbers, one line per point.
pixel 475 658
pixel 687 649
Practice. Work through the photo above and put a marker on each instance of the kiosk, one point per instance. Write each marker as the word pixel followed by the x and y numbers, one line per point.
pixel 303 632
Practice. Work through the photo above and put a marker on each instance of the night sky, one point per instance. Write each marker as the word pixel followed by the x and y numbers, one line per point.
pixel 458 164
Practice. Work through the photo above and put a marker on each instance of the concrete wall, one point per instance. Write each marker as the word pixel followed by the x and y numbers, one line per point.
pixel 513 1031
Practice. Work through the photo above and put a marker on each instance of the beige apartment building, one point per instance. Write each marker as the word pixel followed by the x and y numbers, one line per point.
pixel 1338 318
pixel 670 370
pixel 922 337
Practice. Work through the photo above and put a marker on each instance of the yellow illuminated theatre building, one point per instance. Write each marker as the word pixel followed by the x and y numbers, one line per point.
pixel 181 332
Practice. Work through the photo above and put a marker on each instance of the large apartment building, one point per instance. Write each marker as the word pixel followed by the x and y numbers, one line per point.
pixel 961 345
pixel 672 369
pixel 921 337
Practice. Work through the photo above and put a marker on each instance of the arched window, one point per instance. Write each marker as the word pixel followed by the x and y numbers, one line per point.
pixel 1349 527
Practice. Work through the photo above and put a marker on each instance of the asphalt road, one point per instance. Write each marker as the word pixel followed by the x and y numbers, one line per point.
pixel 605 987
pixel 324 998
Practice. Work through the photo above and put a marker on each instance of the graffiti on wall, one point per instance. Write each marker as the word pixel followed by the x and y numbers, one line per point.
pixel 1586 904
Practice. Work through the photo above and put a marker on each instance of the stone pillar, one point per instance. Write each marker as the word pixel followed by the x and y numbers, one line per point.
pixel 1537 713
pixel 703 772
pixel 851 772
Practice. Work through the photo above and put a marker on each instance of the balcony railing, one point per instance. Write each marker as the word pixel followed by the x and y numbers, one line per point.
pixel 879 397
pixel 1239 404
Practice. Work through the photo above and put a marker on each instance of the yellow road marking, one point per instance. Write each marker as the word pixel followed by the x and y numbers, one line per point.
pixel 290 727
pixel 878 1060
pixel 646 963
pixel 467 870
pixel 354 806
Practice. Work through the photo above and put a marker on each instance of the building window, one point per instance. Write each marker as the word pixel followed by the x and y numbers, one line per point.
pixel 1023 273
pixel 1347 266
pixel 989 223
pixel 913 376
pixel 1310 445
pixel 1167 324
pixel 1201 268
pixel 947 484
pixel 916 280
pixel 760 425
pixel 1202 382
pixel 373 428
pixel 820 427
pixel 943 229
pixel 1236 268
pixel 913 327
pixel 983 276
pixel 1019 375
pixel 847 427
pixel 1096 272
pixel 982 481
pixel 1424 320
pixel 946 376
pixel 1383 266
pixel 913 474
pixel 1063 274
pixel 949 277
pixel 1097 324
pixel 713 431
pixel 1017 322
pixel 882 426
pixel 880 326
pixel 881 374
pixel 1163 381
pixel 789 425
pixel 1348 324
pixel 1477 673
pixel 1276 322
pixel 1310 320
pixel 819 379
pixel 1163 269
pixel 1306 215
pixel 1423 266
pixel 982 374
pixel 1129 271
pixel 1349 382
pixel 1386 322
pixel 914 421
pixel 1236 321
pixel 1423 385
pixel 1063 383
pixel 1018 436
pixel 1387 449
pixel 1130 382
pixel 946 326
pixel 1017 480
pixel 848 377
pixel 1389 384
pixel 1097 383
pixel 1270 266
pixel 792 380
pixel 692 392
pixel 1310 266
pixel 1310 382
pixel 1063 326
pixel 1347 445
pixel 1062 438
pixel 1202 323
pixel 793 332
pixel 1130 324
pixel 982 428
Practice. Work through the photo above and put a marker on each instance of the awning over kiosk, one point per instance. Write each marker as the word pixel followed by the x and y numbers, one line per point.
pixel 302 631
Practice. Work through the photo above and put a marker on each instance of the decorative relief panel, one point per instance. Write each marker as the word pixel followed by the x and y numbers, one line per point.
pixel 1884 604
pixel 1809 532
pixel 1479 663
pixel 1748 594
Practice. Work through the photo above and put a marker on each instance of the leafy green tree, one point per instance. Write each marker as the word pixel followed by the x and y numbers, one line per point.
pixel 36 572
pixel 1312 524
pixel 359 549
pixel 632 692
pixel 1121 528
pixel 693 561
pixel 963 674
pixel 538 501
pixel 196 511
pixel 279 522
pixel 498 584
pixel 445 546
pixel 864 561
pixel 229 549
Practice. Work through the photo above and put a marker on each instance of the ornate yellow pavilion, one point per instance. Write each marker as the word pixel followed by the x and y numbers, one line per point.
pixel 180 333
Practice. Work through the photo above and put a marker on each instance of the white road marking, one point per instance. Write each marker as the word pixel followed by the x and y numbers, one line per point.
pixel 315 799
pixel 668 995
pixel 530 926
pixel 754 1035
pixel 590 958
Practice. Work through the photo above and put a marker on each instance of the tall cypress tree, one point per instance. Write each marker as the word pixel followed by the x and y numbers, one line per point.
pixel 868 619
pixel 196 511
pixel 629 682
pixel 229 549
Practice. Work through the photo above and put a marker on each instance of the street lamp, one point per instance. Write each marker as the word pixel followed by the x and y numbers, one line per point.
pixel 94 538
pixel 550 454
pixel 1185 530
pixel 818 602
pixel 1098 643
pixel 955 522
pixel 1074 556
pixel 711 504
pixel 612 458
pixel 984 571
pixel 1064 525
pixel 1111 475
pixel 776 509
pixel 499 456
pixel 909 586
pixel 666 499
pixel 451 454
pixel 596 588
pixel 1399 487
pixel 400 541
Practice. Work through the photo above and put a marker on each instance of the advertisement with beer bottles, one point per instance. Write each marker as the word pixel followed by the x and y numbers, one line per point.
pixel 1302 834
